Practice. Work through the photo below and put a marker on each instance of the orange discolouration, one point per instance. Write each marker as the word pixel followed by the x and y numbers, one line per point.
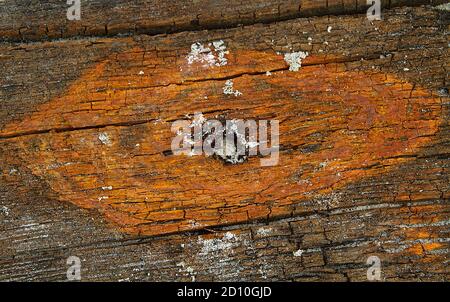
pixel 335 127
pixel 422 249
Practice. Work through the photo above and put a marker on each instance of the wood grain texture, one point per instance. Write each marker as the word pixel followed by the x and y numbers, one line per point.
pixel 24 20
pixel 336 126
pixel 363 169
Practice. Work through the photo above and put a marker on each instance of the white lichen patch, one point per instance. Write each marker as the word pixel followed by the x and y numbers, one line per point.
pixel 226 243
pixel 229 88
pixel 193 223
pixel 107 188
pixel 102 198
pixel 189 270
pixel 214 54
pixel 219 257
pixel 329 28
pixel 445 7
pixel 104 138
pixel 298 253
pixel 201 54
pixel 221 51
pixel 264 231
pixel 5 210
pixel 295 59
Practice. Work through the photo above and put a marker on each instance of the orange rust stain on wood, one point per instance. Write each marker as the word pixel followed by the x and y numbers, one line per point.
pixel 336 127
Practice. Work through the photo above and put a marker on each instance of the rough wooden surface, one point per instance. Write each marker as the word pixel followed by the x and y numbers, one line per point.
pixel 363 169
pixel 23 20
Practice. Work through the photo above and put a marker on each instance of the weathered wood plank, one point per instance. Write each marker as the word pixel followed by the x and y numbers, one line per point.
pixel 396 207
pixel 41 20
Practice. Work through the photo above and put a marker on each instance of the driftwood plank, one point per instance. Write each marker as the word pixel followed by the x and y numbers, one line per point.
pixel 363 167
